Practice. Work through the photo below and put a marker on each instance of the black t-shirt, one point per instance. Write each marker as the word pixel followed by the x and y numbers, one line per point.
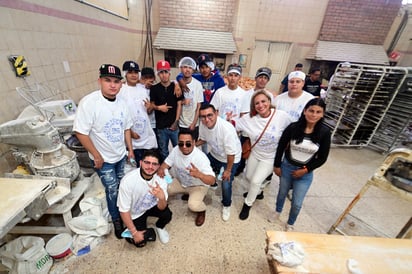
pixel 313 87
pixel 161 95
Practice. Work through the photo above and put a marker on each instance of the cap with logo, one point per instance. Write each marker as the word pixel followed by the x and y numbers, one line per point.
pixel 205 59
pixel 187 62
pixel 162 65
pixel 108 70
pixel 130 66
pixel 297 74
pixel 264 71
pixel 234 68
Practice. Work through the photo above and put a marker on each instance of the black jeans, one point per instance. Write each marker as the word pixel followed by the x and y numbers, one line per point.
pixel 165 216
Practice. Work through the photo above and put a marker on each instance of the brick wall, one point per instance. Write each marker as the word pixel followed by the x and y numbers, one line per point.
pixel 359 21
pixel 213 15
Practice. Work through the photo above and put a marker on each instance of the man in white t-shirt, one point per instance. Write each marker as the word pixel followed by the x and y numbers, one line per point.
pixel 296 98
pixel 143 194
pixel 193 174
pixel 102 125
pixel 228 99
pixel 189 117
pixel 137 97
pixel 224 150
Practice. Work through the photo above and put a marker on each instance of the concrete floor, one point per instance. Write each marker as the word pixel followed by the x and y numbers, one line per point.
pixel 238 246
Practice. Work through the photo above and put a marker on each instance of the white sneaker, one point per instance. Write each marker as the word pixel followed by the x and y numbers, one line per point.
pixel 289 228
pixel 163 235
pixel 289 195
pixel 226 213
pixel 274 217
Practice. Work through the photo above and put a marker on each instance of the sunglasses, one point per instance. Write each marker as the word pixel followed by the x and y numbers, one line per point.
pixel 187 144
pixel 208 116
pixel 150 163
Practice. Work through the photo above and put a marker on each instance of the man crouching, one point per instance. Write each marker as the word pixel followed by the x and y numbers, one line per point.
pixel 193 174
pixel 142 194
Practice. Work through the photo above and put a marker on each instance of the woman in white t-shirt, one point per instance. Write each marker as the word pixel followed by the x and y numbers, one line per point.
pixel 260 162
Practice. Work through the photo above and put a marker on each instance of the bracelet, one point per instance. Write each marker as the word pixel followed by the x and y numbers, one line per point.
pixel 134 232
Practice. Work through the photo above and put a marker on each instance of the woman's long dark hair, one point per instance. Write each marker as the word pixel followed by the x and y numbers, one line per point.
pixel 298 132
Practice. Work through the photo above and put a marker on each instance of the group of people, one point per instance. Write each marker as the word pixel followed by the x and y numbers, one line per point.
pixel 206 122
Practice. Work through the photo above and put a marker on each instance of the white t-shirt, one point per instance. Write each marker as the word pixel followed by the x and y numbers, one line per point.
pixel 304 151
pixel 104 122
pixel 152 117
pixel 180 164
pixel 192 98
pixel 134 193
pixel 222 140
pixel 265 149
pixel 293 106
pixel 134 97
pixel 248 96
pixel 226 100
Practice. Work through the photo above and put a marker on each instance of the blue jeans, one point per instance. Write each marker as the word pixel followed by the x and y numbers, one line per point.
pixel 300 188
pixel 110 175
pixel 163 137
pixel 226 185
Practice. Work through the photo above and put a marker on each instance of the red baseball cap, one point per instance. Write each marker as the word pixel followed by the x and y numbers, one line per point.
pixel 162 65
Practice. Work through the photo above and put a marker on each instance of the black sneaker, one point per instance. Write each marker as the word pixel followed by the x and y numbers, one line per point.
pixel 140 244
pixel 150 235
pixel 260 196
pixel 118 228
pixel 214 186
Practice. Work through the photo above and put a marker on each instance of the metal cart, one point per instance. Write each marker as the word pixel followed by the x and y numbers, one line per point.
pixel 393 175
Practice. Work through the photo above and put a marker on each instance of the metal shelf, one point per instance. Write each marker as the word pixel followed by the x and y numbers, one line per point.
pixel 369 105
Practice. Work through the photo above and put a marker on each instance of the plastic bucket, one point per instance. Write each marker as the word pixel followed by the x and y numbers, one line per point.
pixel 60 245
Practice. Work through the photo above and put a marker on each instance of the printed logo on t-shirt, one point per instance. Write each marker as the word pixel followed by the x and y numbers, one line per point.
pixel 183 175
pixel 229 107
pixel 139 126
pixel 113 130
pixel 268 142
pixel 147 202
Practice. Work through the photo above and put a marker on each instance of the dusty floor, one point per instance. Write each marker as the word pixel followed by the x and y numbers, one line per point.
pixel 238 246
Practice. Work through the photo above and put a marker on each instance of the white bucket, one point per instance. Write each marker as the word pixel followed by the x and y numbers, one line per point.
pixel 60 245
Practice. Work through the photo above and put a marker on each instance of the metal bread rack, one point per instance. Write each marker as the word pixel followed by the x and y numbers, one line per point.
pixel 370 106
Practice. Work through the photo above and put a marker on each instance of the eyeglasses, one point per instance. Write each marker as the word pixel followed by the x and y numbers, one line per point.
pixel 187 144
pixel 150 163
pixel 208 116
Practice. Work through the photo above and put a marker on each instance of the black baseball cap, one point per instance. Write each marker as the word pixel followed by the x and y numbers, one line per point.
pixel 108 70
pixel 130 66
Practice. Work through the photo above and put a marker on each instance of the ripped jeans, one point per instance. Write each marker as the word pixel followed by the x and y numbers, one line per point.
pixel 110 175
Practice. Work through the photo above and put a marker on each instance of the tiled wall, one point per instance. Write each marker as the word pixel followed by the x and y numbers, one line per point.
pixel 48 35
